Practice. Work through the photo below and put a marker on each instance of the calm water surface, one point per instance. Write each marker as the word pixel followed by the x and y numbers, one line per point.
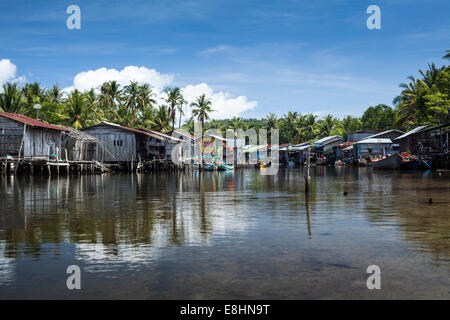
pixel 224 235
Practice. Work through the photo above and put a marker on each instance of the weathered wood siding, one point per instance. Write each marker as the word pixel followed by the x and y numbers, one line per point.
pixel 118 145
pixel 42 142
pixel 78 150
pixel 11 133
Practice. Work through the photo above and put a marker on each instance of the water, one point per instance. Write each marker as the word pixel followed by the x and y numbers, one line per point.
pixel 226 235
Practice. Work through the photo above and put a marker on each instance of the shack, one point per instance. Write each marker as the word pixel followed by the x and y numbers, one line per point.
pixel 22 136
pixel 79 146
pixel 159 145
pixel 358 135
pixel 373 147
pixel 428 143
pixel 120 144
pixel 408 142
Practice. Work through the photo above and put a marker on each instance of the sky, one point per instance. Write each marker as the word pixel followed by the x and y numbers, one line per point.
pixel 250 58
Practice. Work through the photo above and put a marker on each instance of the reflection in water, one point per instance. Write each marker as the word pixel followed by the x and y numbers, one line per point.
pixel 214 228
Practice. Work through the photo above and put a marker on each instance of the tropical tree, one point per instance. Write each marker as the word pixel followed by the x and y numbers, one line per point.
pixel 202 108
pixel 180 105
pixel 161 120
pixel 132 101
pixel 447 55
pixel 271 121
pixel 12 98
pixel 173 98
pixel 77 110
pixel 380 117
pixel 309 129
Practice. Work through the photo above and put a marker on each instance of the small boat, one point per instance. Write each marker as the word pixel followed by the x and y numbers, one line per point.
pixel 416 164
pixel 391 162
pixel 225 167
pixel 210 167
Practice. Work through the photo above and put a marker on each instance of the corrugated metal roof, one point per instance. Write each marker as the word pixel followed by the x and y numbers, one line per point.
pixel 329 139
pixel 375 141
pixel 415 130
pixel 160 136
pixel 30 121
pixel 118 126
pixel 384 132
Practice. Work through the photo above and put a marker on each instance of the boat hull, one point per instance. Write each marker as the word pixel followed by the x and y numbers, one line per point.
pixel 391 162
pixel 225 167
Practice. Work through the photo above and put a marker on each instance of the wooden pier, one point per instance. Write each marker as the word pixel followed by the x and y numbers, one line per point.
pixel 46 166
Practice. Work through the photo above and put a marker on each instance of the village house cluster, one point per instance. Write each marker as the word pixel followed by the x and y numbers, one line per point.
pixel 29 145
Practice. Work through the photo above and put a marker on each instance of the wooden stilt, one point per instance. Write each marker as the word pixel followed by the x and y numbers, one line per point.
pixel 308 166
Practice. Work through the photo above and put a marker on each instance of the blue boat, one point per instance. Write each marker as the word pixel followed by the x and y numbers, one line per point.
pixel 225 167
pixel 210 167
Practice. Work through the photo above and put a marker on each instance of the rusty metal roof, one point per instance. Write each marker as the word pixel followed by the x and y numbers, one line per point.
pixel 30 121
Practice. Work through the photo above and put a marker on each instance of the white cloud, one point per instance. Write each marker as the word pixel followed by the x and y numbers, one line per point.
pixel 223 103
pixel 94 78
pixel 8 71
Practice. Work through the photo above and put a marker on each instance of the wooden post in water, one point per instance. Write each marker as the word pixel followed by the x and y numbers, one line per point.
pixel 308 166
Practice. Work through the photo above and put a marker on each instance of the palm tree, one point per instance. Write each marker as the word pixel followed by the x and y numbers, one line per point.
pixel 55 94
pixel 132 92
pixel 180 110
pixel 145 99
pixel 271 121
pixel 161 119
pixel 12 99
pixel 77 110
pixel 447 55
pixel 109 94
pixel 309 129
pixel 202 106
pixel 174 97
pixel 326 125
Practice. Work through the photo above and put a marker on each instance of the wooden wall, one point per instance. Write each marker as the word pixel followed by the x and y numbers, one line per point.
pixel 11 133
pixel 42 142
pixel 120 145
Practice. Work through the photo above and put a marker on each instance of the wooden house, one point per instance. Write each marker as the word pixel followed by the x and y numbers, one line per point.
pixel 358 135
pixel 79 146
pixel 120 144
pixel 409 142
pixel 22 136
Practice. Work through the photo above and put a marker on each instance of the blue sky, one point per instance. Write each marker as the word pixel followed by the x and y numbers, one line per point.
pixel 252 57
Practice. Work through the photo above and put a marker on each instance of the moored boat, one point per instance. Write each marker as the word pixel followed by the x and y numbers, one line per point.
pixel 210 167
pixel 225 167
pixel 415 164
pixel 391 162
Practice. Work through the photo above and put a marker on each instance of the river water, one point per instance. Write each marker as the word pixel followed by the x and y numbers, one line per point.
pixel 227 235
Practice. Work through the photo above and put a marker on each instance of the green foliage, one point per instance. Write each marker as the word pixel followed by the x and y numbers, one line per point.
pixel 381 117
pixel 424 100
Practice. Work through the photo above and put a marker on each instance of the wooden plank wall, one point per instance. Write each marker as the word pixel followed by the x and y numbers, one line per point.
pixel 120 144
pixel 11 133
